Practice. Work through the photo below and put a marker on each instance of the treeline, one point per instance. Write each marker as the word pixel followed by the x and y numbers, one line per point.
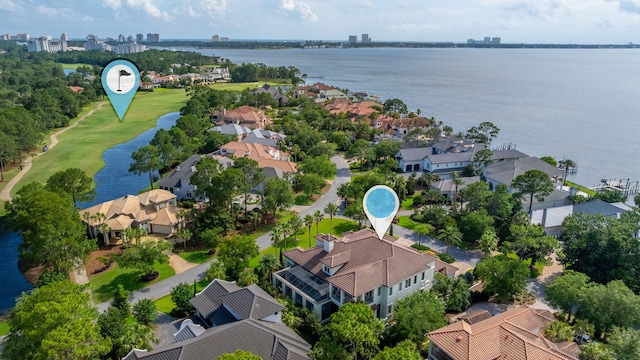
pixel 262 72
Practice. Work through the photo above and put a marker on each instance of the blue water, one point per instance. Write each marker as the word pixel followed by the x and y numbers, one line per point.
pixel 112 181
pixel 68 71
pixel 580 104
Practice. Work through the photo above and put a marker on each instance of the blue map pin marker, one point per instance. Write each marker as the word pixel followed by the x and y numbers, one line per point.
pixel 120 80
pixel 381 204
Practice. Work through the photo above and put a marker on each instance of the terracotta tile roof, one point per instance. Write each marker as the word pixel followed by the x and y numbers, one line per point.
pixel 166 216
pixel 243 115
pixel 513 334
pixel 266 156
pixel 365 261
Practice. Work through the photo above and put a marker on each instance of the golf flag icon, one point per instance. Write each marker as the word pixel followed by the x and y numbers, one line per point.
pixel 120 80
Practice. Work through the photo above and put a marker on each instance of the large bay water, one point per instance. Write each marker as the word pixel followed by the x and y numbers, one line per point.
pixel 580 104
pixel 112 181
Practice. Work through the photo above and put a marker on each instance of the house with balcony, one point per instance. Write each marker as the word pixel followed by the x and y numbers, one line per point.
pixel 179 183
pixel 356 266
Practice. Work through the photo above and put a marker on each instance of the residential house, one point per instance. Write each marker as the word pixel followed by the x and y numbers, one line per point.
pixel 179 183
pixel 447 188
pixel 248 135
pixel 267 340
pixel 356 266
pixel 265 156
pixel 552 218
pixel 223 302
pixel 274 92
pixel 244 115
pixel 503 172
pixel 517 333
pixel 319 92
pixel 448 155
pixel 154 210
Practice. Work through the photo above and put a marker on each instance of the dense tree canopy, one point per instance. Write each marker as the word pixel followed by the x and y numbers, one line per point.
pixel 74 182
pixel 54 321
pixel 503 276
pixel 53 233
pixel 415 315
pixel 533 184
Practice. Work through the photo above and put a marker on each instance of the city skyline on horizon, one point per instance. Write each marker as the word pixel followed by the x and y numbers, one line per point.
pixel 514 21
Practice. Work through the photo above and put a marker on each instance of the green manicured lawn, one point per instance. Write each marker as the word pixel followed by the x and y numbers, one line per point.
pixel 198 257
pixel 104 284
pixel 4 328
pixel 339 226
pixel 406 222
pixel 73 66
pixel 166 305
pixel 82 147
pixel 303 200
pixel 407 203
pixel 580 188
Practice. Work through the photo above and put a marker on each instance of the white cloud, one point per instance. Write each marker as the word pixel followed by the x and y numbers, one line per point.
pixel 9 6
pixel 149 8
pixel 114 4
pixel 301 8
pixel 189 10
pixel 215 7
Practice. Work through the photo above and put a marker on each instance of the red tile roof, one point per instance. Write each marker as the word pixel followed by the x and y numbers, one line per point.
pixel 513 334
pixel 365 261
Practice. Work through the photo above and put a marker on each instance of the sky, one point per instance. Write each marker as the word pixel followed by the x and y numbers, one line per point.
pixel 514 21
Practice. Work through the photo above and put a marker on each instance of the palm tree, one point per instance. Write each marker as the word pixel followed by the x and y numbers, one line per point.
pixel 428 178
pixel 268 264
pixel 255 217
pixel 568 164
pixel 422 229
pixel 317 217
pixel 455 179
pixel 87 217
pixel 276 236
pixel 451 236
pixel 308 221
pixel 104 230
pixel 185 235
pixel 331 209
pixel 182 216
pixel 296 224
pixel 558 331
pixel 488 242
pixel 287 230
pixel 138 233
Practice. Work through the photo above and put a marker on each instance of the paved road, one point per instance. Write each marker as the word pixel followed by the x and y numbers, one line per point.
pixel 163 288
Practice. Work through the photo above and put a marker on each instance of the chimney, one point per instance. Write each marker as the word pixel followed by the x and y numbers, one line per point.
pixel 178 168
pixel 224 111
pixel 328 243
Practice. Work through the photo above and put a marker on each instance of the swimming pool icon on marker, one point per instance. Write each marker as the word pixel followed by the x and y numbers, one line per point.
pixel 381 204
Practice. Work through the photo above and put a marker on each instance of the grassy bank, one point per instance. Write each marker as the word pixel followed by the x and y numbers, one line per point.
pixel 83 145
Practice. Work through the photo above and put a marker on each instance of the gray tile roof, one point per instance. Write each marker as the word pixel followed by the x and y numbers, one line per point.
pixel 264 339
pixel 505 171
pixel 224 302
pixel 598 206
pixel 415 154
pixel 182 173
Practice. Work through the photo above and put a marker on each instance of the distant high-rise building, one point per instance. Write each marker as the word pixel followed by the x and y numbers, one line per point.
pixel 495 41
pixel 139 38
pixel 64 37
pixel 365 38
pixel 128 48
pixel 353 39
pixel 47 44
pixel 130 38
pixel 487 40
pixel 22 37
pixel 153 37
pixel 120 38
pixel 224 39
pixel 94 43
pixel 215 38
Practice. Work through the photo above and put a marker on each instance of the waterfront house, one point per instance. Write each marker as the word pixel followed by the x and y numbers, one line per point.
pixel 252 136
pixel 552 218
pixel 154 210
pixel 319 92
pixel 265 156
pixel 504 172
pixel 248 116
pixel 517 333
pixel 356 266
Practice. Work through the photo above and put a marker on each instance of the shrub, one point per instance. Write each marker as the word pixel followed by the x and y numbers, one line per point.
pixel 120 300
pixel 180 295
pixel 446 258
pixel 145 311
pixel 420 247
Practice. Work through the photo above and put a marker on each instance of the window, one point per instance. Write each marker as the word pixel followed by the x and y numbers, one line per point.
pixel 391 291
pixel 415 279
pixel 407 282
pixel 389 309
pixel 423 275
pixel 400 287
pixel 326 269
pixel 379 290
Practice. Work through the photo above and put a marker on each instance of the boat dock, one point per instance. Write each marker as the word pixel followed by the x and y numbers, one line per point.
pixel 624 186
